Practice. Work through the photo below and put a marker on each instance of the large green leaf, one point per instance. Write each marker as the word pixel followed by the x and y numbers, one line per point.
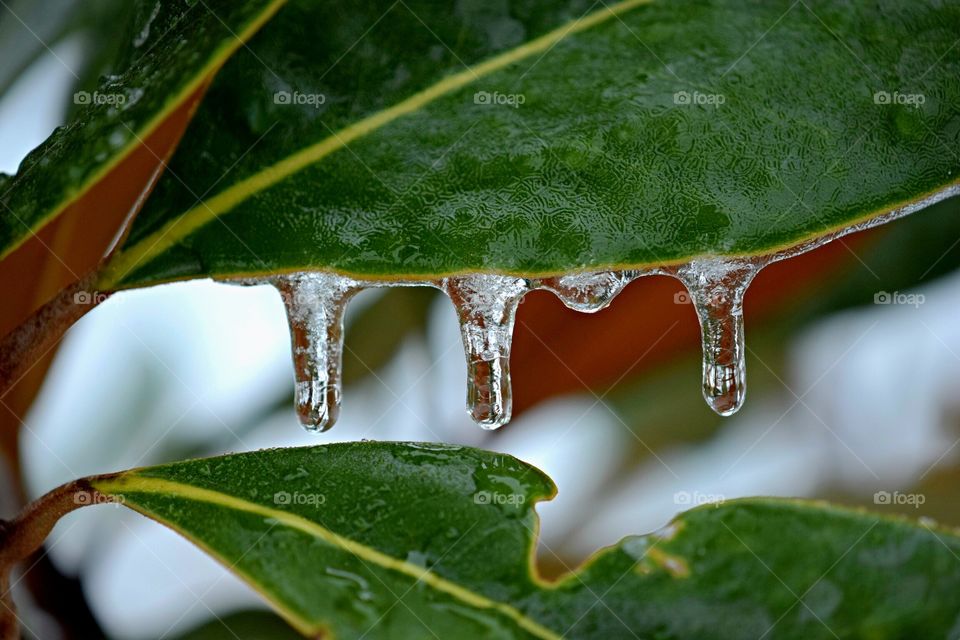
pixel 394 540
pixel 175 50
pixel 621 153
pixel 243 625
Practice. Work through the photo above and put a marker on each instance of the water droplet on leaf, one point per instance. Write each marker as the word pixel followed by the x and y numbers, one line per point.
pixel 486 306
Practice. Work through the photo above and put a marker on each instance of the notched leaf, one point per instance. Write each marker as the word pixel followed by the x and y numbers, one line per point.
pixel 397 540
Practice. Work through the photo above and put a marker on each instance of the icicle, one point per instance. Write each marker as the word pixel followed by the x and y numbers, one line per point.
pixel 716 289
pixel 315 304
pixel 487 306
pixel 588 292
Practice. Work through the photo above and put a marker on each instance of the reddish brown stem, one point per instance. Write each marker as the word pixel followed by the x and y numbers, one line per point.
pixel 22 536
pixel 26 344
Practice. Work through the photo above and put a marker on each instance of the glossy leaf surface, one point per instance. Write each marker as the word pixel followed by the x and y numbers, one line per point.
pixel 395 540
pixel 414 139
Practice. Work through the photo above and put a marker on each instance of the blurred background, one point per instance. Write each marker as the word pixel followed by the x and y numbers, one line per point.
pixel 853 369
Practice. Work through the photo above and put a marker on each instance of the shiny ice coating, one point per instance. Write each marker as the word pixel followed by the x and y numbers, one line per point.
pixel 716 289
pixel 487 306
pixel 315 305
pixel 589 292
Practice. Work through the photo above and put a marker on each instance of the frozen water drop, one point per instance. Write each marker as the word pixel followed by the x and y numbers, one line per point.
pixel 318 403
pixel 717 288
pixel 487 307
pixel 588 292
pixel 315 305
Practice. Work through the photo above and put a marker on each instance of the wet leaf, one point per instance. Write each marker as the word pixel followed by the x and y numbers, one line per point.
pixel 177 50
pixel 384 540
pixel 418 139
pixel 629 346
pixel 243 625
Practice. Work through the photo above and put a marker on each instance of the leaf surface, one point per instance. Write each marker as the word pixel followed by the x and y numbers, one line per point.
pixel 398 540
pixel 416 139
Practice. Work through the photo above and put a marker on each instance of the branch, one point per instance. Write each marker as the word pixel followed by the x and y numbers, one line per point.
pixel 22 536
pixel 26 344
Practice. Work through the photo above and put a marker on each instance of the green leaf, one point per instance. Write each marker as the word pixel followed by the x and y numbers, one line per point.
pixel 243 625
pixel 177 50
pixel 404 540
pixel 649 132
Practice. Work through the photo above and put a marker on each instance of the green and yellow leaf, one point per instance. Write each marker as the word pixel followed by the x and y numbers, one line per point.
pixel 405 540
pixel 417 139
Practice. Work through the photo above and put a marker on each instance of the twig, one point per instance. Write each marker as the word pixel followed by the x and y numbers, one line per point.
pixel 22 536
pixel 26 344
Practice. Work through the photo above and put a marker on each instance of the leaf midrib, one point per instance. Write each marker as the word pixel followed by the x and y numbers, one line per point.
pixel 130 483
pixel 208 210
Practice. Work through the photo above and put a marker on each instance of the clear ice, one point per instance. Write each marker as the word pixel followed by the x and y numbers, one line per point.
pixel 486 305
pixel 315 305
pixel 588 292
pixel 716 289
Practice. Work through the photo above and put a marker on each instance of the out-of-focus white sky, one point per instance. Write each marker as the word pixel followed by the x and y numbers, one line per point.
pixel 868 395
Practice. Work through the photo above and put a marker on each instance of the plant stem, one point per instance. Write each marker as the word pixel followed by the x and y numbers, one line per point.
pixel 22 536
pixel 26 344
